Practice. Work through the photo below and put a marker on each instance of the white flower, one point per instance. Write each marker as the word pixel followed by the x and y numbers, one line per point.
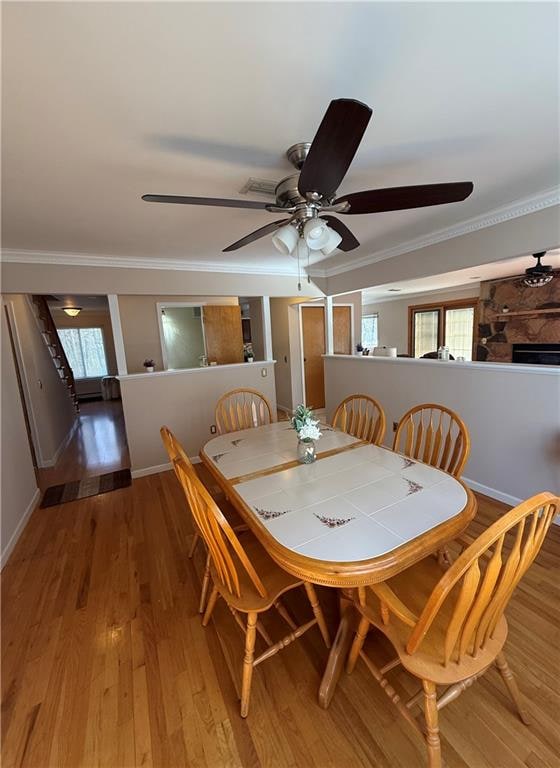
pixel 310 431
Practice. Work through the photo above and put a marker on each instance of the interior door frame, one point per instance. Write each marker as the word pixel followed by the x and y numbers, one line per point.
pixel 352 333
pixel 161 305
pixel 25 391
pixel 315 305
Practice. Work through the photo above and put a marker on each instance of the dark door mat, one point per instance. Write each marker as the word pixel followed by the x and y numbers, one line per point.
pixel 89 486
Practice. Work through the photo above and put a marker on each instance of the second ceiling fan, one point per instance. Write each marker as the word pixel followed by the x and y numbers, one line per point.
pixel 309 196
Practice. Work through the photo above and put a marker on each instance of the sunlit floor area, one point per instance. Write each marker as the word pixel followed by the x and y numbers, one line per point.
pixel 105 661
pixel 98 445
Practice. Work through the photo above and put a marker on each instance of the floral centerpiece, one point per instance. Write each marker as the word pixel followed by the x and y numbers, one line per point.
pixel 308 433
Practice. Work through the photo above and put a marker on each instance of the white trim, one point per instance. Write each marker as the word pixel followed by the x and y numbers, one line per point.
pixel 329 325
pixel 150 470
pixel 513 501
pixel 284 409
pixel 15 255
pixel 116 328
pixel 473 286
pixel 18 347
pixel 7 551
pixel 506 498
pixel 135 473
pixel 267 327
pixel 62 447
pixel 542 200
pixel 522 207
pixel 541 370
pixel 194 370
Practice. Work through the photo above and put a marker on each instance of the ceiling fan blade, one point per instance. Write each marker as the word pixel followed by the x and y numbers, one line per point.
pixel 401 198
pixel 266 230
pixel 348 242
pixel 334 147
pixel 205 201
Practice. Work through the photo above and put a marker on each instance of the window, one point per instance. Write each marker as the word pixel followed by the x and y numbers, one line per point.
pixel 369 331
pixel 85 351
pixel 432 325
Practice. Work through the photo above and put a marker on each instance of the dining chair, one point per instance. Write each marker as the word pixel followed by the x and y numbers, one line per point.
pixel 362 417
pixel 447 626
pixel 176 451
pixel 435 435
pixel 247 579
pixel 242 409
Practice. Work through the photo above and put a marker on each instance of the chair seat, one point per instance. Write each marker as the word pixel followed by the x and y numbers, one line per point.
pixel 413 587
pixel 275 579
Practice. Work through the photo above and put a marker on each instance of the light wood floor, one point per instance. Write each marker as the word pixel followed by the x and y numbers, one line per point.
pixel 105 662
pixel 97 446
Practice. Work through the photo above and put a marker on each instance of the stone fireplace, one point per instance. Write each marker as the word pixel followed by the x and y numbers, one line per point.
pixel 510 312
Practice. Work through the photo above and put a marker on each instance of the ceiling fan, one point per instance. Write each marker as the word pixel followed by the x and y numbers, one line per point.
pixel 540 274
pixel 308 197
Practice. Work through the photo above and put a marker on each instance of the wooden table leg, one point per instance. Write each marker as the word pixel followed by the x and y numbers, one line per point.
pixel 339 650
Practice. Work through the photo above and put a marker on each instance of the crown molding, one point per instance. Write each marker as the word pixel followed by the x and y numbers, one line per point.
pixel 19 256
pixel 538 202
pixel 546 199
pixel 473 286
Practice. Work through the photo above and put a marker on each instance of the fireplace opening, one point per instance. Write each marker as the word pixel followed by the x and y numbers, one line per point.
pixel 536 354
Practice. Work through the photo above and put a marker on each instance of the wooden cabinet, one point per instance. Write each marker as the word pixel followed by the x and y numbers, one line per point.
pixel 223 334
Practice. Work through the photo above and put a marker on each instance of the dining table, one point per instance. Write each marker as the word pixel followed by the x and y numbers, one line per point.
pixel 356 516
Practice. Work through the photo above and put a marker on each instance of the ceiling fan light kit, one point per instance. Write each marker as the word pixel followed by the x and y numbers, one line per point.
pixel 308 197
pixel 540 274
pixel 285 239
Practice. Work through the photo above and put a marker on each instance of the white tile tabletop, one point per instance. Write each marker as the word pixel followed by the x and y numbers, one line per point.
pixel 354 505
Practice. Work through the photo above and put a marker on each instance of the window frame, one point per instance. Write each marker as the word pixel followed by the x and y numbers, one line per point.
pixel 441 307
pixel 369 314
pixel 79 329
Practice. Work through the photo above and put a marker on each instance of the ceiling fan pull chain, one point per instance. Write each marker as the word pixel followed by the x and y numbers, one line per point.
pixel 298 267
pixel 308 278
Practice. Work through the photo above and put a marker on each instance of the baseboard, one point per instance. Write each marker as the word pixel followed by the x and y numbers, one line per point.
pixel 61 448
pixel 287 411
pixel 7 551
pixel 513 501
pixel 158 468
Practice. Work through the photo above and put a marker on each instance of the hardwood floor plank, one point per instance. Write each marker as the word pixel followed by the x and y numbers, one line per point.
pixel 106 663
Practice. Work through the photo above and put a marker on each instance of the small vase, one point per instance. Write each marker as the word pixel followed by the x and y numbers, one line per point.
pixel 149 368
pixel 306 451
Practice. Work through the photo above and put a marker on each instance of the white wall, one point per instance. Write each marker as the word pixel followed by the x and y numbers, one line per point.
pixel 19 486
pixel 393 314
pixel 184 401
pixel 512 413
pixel 50 407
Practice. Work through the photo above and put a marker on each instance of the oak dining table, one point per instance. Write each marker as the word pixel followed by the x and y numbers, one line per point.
pixel 356 516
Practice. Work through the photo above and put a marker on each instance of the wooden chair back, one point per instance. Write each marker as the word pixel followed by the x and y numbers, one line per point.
pixel 229 557
pixel 362 417
pixel 242 409
pixel 435 435
pixel 481 581
pixel 173 448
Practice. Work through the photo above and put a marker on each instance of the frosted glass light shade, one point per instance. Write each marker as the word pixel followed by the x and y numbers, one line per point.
pixel 333 242
pixel 285 239
pixel 316 234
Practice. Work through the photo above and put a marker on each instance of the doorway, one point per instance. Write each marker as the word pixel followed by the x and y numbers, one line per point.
pixel 66 369
pixel 313 343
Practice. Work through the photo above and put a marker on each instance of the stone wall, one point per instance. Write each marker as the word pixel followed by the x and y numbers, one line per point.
pixel 497 332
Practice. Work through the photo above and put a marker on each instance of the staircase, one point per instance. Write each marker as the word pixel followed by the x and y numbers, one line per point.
pixel 54 345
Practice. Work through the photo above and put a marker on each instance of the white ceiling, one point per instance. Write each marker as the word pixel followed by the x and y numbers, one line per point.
pixel 103 102
pixel 461 278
